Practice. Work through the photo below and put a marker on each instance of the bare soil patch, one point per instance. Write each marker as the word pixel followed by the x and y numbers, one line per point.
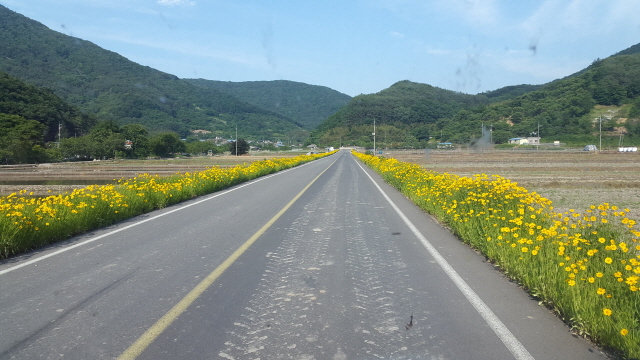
pixel 571 179
pixel 111 170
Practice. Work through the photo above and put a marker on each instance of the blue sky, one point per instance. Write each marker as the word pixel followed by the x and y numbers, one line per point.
pixel 353 46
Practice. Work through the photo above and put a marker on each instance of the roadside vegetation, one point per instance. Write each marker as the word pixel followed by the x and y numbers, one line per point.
pixel 582 264
pixel 27 223
pixel 571 179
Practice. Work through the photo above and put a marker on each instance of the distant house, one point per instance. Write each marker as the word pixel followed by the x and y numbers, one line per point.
pixel 519 141
pixel 219 140
pixel 313 146
pixel 444 145
pixel 534 140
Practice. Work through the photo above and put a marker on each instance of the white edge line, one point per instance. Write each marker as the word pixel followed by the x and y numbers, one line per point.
pixel 507 338
pixel 33 261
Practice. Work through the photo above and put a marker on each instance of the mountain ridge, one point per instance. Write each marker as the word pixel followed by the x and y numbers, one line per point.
pixel 563 108
pixel 107 84
pixel 306 104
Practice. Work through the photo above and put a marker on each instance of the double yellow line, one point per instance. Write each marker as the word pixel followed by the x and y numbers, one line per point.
pixel 161 325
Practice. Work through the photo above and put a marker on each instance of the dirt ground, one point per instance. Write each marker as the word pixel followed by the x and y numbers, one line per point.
pixel 80 174
pixel 571 179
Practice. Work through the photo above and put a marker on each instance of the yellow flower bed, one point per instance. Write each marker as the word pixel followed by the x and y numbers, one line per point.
pixel 584 265
pixel 27 223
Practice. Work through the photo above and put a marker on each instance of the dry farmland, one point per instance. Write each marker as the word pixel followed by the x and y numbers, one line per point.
pixel 571 179
pixel 44 179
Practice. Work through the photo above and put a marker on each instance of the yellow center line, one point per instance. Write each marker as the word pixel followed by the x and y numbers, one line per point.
pixel 161 325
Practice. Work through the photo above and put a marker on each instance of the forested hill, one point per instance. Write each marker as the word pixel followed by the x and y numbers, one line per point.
pixel 30 117
pixel 307 104
pixel 403 104
pixel 509 92
pixel 410 114
pixel 112 87
pixel 32 103
pixel 564 108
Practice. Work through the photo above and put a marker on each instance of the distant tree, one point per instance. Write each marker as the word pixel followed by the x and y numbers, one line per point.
pixel 21 140
pixel 137 134
pixel 192 138
pixel 500 136
pixel 166 144
pixel 243 147
pixel 633 127
pixel 105 140
pixel 421 132
pixel 365 142
pixel 201 147
pixel 76 147
pixel 635 109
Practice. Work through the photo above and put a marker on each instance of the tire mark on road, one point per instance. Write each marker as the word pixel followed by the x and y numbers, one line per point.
pixel 331 290
pixel 290 292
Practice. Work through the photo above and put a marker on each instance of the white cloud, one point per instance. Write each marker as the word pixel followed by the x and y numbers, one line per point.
pixel 397 35
pixel 176 2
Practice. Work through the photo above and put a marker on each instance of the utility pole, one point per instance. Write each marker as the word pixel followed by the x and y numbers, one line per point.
pixel 539 137
pixel 374 136
pixel 600 148
pixel 59 131
pixel 620 141
pixel 236 140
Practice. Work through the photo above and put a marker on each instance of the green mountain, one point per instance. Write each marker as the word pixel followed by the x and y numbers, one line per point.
pixel 108 85
pixel 404 109
pixel 509 92
pixel 306 104
pixel 419 115
pixel 32 103
pixel 30 117
pixel 565 108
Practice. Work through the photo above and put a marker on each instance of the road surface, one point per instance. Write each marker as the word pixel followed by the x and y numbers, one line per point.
pixel 322 261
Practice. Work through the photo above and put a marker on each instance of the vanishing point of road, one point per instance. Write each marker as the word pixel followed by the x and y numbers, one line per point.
pixel 322 261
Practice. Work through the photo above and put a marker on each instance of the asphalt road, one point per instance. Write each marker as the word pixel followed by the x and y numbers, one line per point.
pixel 323 261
